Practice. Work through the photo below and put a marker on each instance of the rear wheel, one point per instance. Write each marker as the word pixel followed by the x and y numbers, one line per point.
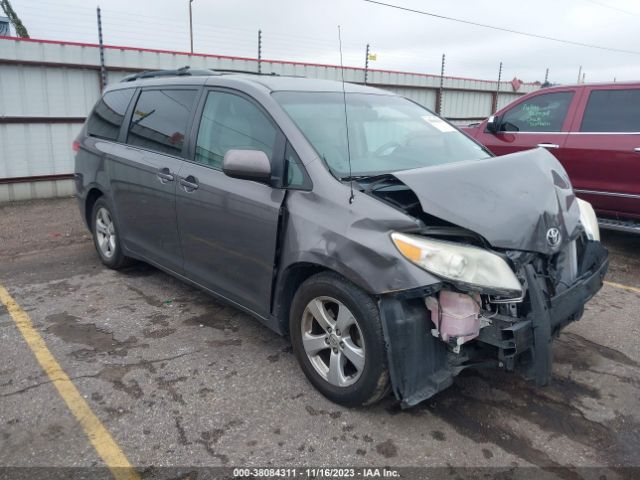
pixel 337 338
pixel 105 236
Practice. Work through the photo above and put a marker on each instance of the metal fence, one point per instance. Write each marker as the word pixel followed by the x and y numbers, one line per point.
pixel 47 88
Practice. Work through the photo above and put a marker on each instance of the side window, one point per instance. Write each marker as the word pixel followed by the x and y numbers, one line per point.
pixel 612 111
pixel 159 121
pixel 232 122
pixel 295 174
pixel 542 113
pixel 108 114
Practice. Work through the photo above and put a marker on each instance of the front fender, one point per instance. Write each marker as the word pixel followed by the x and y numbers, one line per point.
pixel 352 240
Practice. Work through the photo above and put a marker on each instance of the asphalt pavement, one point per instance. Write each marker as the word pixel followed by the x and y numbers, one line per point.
pixel 179 379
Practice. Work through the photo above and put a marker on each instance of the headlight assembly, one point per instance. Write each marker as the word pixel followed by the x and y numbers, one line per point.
pixel 458 263
pixel 588 220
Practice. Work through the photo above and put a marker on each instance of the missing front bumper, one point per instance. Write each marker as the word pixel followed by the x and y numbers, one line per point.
pixel 421 365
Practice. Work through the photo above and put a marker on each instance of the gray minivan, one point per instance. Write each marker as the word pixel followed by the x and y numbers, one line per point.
pixel 391 248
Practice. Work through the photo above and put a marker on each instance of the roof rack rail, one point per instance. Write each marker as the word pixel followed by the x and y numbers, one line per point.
pixel 187 71
pixel 249 72
pixel 183 71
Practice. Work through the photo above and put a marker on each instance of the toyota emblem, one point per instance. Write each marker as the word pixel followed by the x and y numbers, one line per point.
pixel 553 237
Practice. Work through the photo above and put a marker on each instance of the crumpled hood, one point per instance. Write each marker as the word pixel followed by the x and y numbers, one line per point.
pixel 512 201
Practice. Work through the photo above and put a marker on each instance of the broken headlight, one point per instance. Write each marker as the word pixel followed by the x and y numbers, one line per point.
pixel 588 220
pixel 458 263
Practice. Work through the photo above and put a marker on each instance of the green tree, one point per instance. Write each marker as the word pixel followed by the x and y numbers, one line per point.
pixel 21 30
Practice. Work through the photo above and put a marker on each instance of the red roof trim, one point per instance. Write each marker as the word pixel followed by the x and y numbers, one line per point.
pixel 229 57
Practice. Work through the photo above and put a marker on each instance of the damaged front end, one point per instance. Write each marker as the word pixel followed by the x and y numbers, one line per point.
pixel 426 351
pixel 505 292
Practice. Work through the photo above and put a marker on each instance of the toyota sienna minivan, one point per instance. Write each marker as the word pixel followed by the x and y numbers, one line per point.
pixel 391 248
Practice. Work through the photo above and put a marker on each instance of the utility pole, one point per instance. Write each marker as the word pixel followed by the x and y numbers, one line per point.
pixel 441 89
pixel 366 65
pixel 21 30
pixel 579 73
pixel 191 25
pixel 495 106
pixel 584 74
pixel 546 76
pixel 103 68
pixel 259 51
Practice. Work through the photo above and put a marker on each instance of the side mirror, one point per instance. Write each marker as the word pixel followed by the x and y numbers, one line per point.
pixel 493 124
pixel 247 165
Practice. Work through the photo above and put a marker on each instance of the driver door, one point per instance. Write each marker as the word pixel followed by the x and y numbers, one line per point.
pixel 539 121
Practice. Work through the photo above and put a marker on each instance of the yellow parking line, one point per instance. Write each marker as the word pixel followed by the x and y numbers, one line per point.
pixel 624 287
pixel 99 436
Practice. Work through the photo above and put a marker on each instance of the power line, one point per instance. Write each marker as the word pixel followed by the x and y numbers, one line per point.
pixel 614 8
pixel 508 30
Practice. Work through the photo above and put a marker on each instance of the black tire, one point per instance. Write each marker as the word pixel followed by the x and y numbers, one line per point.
pixel 116 260
pixel 373 382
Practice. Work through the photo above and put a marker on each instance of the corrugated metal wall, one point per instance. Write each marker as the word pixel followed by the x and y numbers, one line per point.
pixel 505 98
pixel 47 88
pixel 36 91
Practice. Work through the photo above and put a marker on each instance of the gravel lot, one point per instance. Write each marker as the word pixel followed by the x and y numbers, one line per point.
pixel 180 379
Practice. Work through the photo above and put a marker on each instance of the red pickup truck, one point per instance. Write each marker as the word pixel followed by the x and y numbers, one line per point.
pixel 593 130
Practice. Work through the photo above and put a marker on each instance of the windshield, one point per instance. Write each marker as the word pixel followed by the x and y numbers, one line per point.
pixel 386 133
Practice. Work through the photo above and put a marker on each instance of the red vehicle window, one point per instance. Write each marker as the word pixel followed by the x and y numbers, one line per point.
pixel 612 111
pixel 541 113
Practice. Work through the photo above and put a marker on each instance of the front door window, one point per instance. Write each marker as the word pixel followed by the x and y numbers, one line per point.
pixel 232 122
pixel 541 113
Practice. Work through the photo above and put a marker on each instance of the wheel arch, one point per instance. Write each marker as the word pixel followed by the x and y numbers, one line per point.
pixel 287 286
pixel 92 197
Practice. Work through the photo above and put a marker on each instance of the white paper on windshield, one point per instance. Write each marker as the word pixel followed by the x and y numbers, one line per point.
pixel 438 123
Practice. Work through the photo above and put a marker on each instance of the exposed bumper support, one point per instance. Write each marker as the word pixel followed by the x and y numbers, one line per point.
pixel 418 364
pixel 549 316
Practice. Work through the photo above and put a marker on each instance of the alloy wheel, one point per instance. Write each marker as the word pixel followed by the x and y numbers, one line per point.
pixel 333 341
pixel 105 233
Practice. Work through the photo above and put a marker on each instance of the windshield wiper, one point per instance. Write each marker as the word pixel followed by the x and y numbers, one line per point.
pixel 365 177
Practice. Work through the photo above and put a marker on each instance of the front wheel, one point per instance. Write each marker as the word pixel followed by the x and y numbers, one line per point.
pixel 337 338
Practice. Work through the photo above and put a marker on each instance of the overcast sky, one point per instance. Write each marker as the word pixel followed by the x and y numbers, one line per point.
pixel 305 30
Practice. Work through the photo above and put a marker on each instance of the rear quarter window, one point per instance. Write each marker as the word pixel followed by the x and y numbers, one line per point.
pixel 612 111
pixel 107 116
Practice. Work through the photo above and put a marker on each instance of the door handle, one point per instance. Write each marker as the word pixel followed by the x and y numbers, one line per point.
pixel 549 145
pixel 189 183
pixel 165 175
